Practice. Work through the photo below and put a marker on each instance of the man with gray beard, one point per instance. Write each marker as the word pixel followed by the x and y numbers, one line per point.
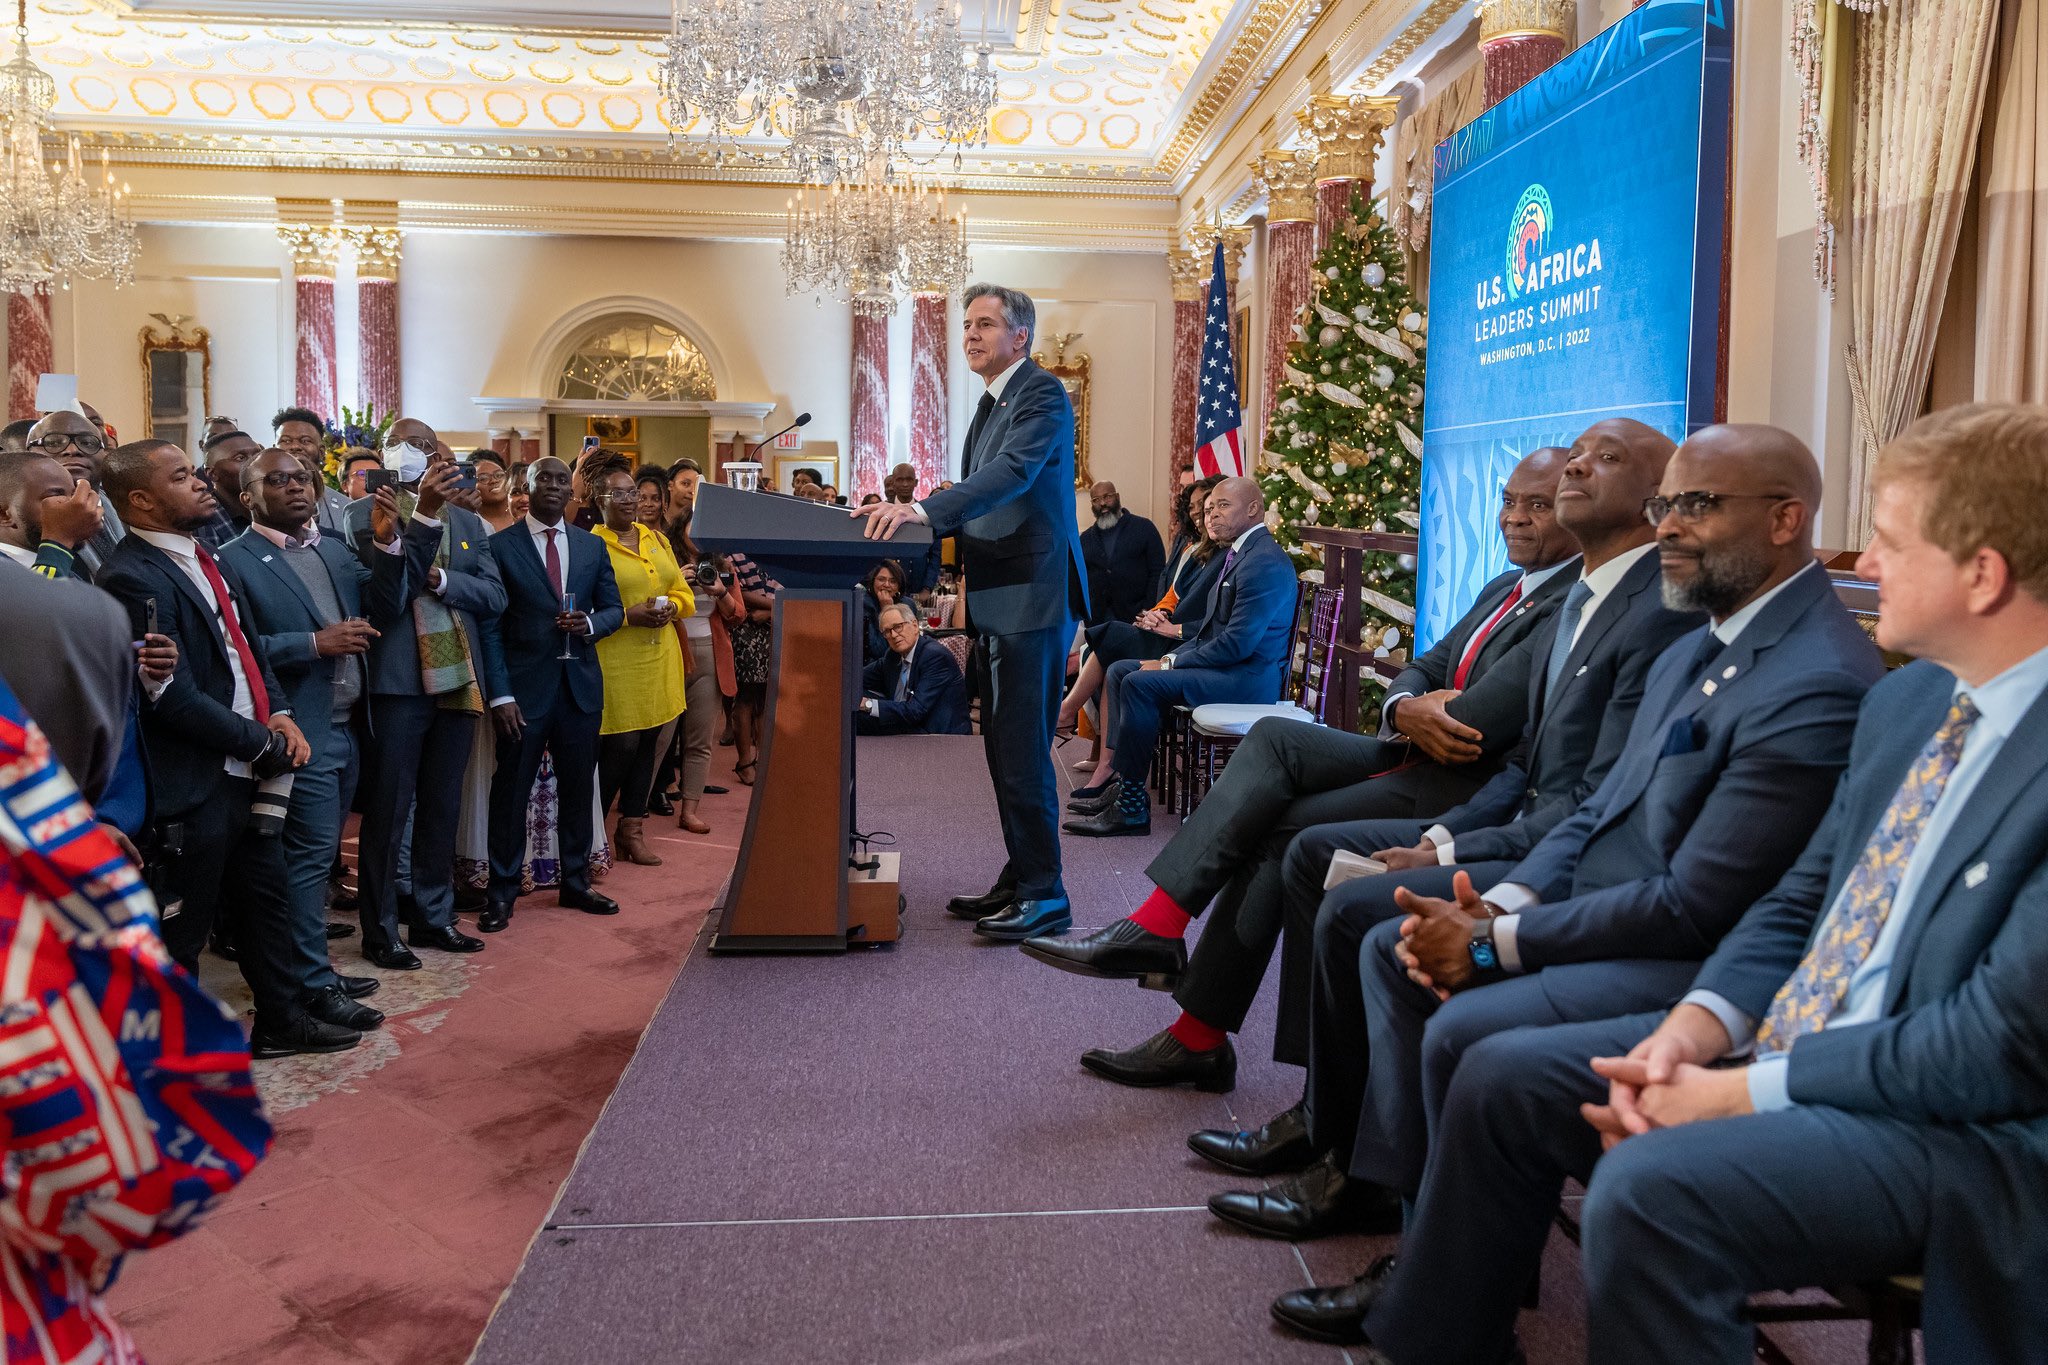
pixel 1742 732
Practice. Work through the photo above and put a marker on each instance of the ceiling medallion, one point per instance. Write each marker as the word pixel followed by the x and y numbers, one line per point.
pixel 55 225
pixel 871 83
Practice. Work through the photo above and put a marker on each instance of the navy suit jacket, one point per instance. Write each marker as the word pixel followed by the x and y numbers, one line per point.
pixel 522 648
pixel 1251 615
pixel 1719 786
pixel 1574 736
pixel 935 704
pixel 1013 510
pixel 192 728
pixel 286 618
pixel 1963 1037
pixel 1196 587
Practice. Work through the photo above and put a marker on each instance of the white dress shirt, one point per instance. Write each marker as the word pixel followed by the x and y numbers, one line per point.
pixel 539 529
pixel 1600 585
pixel 25 558
pixel 184 552
pixel 1512 898
pixel 1532 579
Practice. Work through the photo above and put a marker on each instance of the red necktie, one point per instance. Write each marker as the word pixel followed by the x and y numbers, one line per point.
pixel 1479 638
pixel 554 562
pixel 224 601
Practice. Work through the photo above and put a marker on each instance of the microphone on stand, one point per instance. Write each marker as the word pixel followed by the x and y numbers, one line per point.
pixel 802 419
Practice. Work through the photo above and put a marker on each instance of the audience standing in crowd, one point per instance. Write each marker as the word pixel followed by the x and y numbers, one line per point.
pixel 77 442
pixel 356 464
pixel 493 489
pixel 642 660
pixel 750 647
pixel 302 433
pixel 1124 557
pixel 707 659
pixel 226 452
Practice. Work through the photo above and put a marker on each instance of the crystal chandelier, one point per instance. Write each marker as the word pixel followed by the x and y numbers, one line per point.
pixel 55 226
pixel 857 85
pixel 871 244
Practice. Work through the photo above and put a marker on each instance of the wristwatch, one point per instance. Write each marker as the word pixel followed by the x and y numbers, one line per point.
pixel 1166 662
pixel 1484 956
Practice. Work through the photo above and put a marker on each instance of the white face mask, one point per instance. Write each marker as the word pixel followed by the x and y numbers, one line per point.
pixel 407 461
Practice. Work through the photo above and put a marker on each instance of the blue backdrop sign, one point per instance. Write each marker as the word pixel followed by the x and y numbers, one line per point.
pixel 1575 273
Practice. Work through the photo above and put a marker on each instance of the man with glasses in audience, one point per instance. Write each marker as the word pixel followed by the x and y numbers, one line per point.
pixel 915 689
pixel 300 433
pixel 73 440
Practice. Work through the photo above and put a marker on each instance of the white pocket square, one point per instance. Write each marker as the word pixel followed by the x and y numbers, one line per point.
pixel 1976 875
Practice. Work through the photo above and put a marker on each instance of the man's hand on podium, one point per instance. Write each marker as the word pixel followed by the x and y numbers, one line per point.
pixel 885 517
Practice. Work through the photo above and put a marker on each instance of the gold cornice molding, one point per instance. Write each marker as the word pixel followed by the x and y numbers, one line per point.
pixel 1499 19
pixel 376 250
pixel 315 247
pixel 1348 131
pixel 1268 24
pixel 1405 44
pixel 1288 176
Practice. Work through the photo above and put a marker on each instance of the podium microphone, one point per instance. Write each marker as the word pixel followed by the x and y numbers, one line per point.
pixel 803 419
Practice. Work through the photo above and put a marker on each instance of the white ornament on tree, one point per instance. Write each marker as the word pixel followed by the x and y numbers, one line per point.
pixel 1383 375
pixel 1374 274
pixel 1411 322
pixel 1330 336
pixel 1339 468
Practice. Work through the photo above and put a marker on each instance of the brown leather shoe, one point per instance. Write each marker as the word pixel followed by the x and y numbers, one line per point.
pixel 632 845
pixel 688 819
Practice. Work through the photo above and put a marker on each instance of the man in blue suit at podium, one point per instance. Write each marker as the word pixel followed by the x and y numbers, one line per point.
pixel 1013 510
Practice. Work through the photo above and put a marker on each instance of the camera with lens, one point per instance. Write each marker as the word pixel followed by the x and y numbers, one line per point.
pixel 707 574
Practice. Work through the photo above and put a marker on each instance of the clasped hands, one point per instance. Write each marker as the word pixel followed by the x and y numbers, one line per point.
pixel 1434 730
pixel 1159 623
pixel 1665 1081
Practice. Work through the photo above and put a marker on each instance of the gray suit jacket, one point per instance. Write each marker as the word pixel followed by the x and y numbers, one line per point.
pixel 1013 510
pixel 69 658
pixel 474 589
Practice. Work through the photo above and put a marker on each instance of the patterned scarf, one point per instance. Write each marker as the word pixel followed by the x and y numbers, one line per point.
pixel 447 671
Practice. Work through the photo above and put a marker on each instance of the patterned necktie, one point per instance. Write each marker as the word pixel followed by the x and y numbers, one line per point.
pixel 982 409
pixel 1816 990
pixel 1567 632
pixel 224 603
pixel 554 563
pixel 1478 640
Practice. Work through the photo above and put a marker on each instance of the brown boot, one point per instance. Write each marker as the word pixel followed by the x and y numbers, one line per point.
pixel 631 846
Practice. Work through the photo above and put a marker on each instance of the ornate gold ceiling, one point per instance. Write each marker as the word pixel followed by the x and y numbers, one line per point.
pixel 1115 87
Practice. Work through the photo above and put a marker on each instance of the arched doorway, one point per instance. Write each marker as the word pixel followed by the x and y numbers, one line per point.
pixel 633 361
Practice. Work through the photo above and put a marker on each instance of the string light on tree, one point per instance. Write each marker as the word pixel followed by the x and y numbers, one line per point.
pixel 1341 448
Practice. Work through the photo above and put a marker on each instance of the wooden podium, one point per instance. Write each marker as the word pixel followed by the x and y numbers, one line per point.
pixel 800 885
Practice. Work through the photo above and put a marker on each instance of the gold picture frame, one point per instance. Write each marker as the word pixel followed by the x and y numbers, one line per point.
pixel 171 360
pixel 1071 369
pixel 826 467
pixel 615 433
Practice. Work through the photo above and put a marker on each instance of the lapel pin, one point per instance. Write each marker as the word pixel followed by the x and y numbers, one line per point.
pixel 1974 878
pixel 1728 672
pixel 266 559
pixel 465 545
pixel 1581 673
pixel 1707 687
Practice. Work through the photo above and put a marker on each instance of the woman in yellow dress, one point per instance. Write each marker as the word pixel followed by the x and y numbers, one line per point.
pixel 642 660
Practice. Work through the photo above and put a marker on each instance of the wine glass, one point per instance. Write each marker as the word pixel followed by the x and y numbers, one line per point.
pixel 568 639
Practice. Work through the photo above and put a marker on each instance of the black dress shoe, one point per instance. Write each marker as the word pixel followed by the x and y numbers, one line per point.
pixel 470 899
pixel 332 1006
pixel 341 898
pixel 1110 822
pixel 356 987
pixel 1319 1200
pixel 993 901
pixel 1122 952
pixel 659 804
pixel 589 902
pixel 710 790
pixel 1027 919
pixel 1335 1313
pixel 1163 1059
pixel 1089 805
pixel 337 930
pixel 494 917
pixel 1279 1145
pixel 396 957
pixel 303 1034
pixel 449 939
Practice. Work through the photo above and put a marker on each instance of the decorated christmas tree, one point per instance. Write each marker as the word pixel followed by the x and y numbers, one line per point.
pixel 1343 444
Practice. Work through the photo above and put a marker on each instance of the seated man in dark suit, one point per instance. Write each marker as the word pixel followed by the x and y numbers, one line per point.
pixel 546 687
pixel 1891 1114
pixel 1239 655
pixel 1742 731
pixel 1586 672
pixel 917 689
pixel 1449 722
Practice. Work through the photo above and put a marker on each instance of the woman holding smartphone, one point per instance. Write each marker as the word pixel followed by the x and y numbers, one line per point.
pixel 643 660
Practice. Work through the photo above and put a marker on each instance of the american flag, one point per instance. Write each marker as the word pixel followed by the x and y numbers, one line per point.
pixel 1219 422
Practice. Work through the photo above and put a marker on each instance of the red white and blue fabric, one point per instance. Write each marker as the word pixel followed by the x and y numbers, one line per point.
pixel 126 1102
pixel 1219 421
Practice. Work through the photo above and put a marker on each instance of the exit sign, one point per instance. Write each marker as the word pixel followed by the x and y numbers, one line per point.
pixel 790 440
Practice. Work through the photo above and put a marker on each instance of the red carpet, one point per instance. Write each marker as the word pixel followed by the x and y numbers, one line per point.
pixel 395 1207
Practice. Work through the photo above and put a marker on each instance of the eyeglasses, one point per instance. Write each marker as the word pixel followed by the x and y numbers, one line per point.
pixel 622 495
pixel 900 625
pixel 287 478
pixel 1695 506
pixel 86 444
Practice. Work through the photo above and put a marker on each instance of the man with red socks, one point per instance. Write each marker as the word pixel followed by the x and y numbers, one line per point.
pixel 1449 722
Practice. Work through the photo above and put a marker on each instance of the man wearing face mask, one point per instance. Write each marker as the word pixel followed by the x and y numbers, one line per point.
pixel 425 702
pixel 1124 554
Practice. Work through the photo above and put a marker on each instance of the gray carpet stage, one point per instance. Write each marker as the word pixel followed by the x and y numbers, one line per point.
pixel 894 1156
